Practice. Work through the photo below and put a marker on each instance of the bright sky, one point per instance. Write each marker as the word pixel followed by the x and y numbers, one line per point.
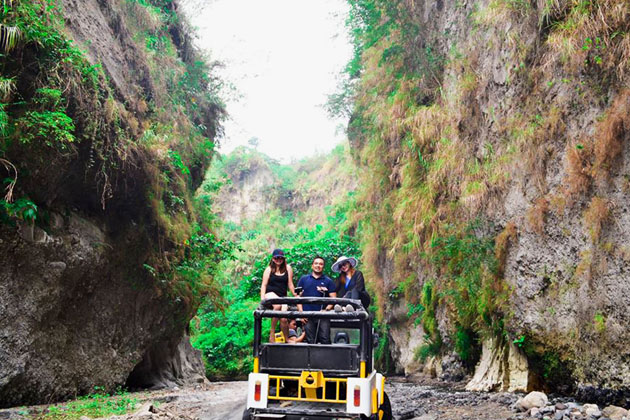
pixel 284 57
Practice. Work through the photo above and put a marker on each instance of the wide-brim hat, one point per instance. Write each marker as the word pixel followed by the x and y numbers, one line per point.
pixel 335 267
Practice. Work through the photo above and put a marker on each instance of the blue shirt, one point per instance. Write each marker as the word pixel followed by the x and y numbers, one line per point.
pixel 310 284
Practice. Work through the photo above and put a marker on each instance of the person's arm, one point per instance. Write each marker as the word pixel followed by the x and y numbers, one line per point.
pixel 291 286
pixel 338 285
pixel 301 337
pixel 265 280
pixel 359 281
pixel 331 294
pixel 300 308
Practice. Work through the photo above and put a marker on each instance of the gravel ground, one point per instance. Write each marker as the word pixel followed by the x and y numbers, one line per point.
pixel 226 401
pixel 437 401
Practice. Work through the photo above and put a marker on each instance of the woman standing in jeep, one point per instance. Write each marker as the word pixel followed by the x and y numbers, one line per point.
pixel 350 284
pixel 276 279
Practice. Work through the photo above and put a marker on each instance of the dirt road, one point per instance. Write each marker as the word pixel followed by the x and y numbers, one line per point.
pixel 226 401
pixel 214 401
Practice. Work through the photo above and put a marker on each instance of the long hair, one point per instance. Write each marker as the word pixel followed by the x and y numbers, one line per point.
pixel 342 276
pixel 282 266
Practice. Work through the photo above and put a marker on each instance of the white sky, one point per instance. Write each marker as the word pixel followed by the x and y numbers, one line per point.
pixel 284 57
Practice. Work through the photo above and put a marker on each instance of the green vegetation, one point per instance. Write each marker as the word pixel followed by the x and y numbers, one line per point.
pixel 222 329
pixel 125 150
pixel 437 157
pixel 599 320
pixel 59 114
pixel 98 404
pixel 470 283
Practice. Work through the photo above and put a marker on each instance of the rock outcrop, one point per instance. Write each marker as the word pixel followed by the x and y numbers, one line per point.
pixel 525 127
pixel 80 303
pixel 502 367
pixel 77 311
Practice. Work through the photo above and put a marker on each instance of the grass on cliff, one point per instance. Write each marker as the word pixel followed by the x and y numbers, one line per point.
pixel 61 118
pixel 435 155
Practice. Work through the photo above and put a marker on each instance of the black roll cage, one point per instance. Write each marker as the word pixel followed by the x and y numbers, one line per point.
pixel 359 318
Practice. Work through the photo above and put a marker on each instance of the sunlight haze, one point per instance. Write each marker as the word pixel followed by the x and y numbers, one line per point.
pixel 284 57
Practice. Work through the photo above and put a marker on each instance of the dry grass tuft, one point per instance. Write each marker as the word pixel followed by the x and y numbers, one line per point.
pixel 611 133
pixel 595 216
pixel 588 34
pixel 578 167
pixel 584 269
pixel 536 215
pixel 558 203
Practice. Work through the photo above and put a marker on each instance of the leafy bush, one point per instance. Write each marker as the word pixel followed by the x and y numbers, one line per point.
pixel 20 209
pixel 470 283
pixel 52 127
pixel 225 338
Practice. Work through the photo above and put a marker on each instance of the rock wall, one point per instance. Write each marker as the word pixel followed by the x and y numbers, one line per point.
pixel 248 195
pixel 77 311
pixel 78 306
pixel 564 191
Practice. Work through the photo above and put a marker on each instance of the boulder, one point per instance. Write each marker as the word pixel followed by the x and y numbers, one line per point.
pixel 533 399
pixel 615 413
pixel 591 410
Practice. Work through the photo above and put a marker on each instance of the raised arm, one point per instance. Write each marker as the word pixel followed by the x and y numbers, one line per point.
pixel 265 280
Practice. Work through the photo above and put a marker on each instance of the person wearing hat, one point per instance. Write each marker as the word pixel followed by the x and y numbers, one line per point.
pixel 278 276
pixel 350 283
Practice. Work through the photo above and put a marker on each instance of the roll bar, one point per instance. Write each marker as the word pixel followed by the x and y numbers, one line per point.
pixel 359 312
pixel 359 315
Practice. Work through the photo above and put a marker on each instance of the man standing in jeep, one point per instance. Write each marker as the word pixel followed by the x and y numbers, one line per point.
pixel 317 284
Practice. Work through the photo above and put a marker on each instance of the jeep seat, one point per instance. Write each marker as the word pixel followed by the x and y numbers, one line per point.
pixel 339 360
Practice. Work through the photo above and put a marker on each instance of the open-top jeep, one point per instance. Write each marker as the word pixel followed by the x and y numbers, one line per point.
pixel 317 381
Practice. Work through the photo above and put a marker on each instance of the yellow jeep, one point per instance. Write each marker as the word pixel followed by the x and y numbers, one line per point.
pixel 317 381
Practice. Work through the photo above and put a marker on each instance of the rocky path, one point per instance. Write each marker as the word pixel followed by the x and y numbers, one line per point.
pixel 410 401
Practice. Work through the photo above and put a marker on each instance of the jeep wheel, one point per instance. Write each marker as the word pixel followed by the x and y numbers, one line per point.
pixel 385 410
pixel 247 415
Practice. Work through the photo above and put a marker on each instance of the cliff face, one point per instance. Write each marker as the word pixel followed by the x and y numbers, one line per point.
pixel 77 311
pixel 248 184
pixel 504 125
pixel 88 291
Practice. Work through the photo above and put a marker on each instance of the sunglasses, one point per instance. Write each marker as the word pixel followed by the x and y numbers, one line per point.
pixel 278 258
